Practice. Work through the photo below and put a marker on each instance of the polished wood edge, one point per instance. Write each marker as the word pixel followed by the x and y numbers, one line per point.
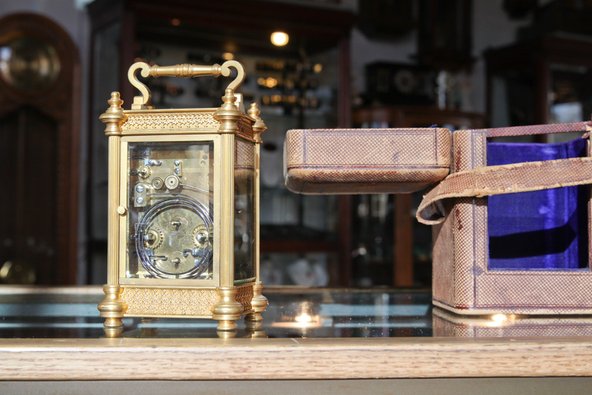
pixel 255 359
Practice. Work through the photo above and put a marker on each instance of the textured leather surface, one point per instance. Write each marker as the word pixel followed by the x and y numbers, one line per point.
pixel 353 161
pixel 462 281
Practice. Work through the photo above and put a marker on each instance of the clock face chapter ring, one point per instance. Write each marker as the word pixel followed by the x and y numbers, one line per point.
pixel 174 238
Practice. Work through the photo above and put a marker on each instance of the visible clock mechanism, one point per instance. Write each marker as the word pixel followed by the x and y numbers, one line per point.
pixel 173 228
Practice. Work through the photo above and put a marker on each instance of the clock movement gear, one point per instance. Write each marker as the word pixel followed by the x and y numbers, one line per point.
pixel 167 237
pixel 153 238
pixel 201 236
pixel 157 183
pixel 172 182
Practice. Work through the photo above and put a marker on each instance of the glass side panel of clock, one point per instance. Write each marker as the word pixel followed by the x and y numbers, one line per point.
pixel 292 93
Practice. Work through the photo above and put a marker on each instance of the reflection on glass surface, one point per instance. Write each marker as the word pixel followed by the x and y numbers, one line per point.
pixel 445 323
pixel 292 313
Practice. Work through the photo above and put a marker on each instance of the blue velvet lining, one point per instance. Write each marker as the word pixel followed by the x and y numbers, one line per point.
pixel 542 229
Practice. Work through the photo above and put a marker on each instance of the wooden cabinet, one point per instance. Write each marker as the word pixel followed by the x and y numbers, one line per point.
pixel 305 84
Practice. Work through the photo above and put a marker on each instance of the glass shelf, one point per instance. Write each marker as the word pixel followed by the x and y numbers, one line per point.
pixel 46 313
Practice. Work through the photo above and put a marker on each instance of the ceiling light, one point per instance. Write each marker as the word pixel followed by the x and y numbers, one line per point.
pixel 279 39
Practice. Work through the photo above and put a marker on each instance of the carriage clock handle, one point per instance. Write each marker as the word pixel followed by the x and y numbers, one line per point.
pixel 181 70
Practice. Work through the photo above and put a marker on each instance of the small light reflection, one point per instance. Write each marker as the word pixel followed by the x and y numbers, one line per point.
pixel 228 56
pixel 500 319
pixel 303 319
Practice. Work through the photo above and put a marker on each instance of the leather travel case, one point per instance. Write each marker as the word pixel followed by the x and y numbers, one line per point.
pixel 351 161
pixel 511 221
pixel 512 224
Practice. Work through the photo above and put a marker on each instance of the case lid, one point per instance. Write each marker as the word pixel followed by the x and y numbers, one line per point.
pixel 357 161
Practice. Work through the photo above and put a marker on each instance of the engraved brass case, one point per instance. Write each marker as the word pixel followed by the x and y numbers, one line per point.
pixel 183 206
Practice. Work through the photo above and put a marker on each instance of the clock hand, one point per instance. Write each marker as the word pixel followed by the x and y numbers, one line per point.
pixel 159 257
pixel 195 252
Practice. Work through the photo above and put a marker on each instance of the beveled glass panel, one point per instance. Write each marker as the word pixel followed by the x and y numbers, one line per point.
pixel 170 200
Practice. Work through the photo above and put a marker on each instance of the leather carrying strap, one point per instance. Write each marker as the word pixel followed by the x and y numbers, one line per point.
pixel 503 179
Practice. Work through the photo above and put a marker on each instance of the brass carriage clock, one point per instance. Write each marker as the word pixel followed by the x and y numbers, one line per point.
pixel 183 206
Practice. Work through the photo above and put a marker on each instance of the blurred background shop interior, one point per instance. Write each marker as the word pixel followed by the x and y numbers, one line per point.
pixel 346 63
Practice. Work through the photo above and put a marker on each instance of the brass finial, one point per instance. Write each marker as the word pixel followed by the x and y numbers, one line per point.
pixel 228 114
pixel 114 116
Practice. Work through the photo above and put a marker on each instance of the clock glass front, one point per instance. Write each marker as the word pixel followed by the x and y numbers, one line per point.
pixel 170 200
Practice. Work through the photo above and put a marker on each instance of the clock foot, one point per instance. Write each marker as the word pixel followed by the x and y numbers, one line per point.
pixel 112 308
pixel 228 310
pixel 254 320
pixel 226 334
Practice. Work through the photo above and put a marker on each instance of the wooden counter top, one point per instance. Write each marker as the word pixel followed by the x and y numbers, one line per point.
pixel 284 359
